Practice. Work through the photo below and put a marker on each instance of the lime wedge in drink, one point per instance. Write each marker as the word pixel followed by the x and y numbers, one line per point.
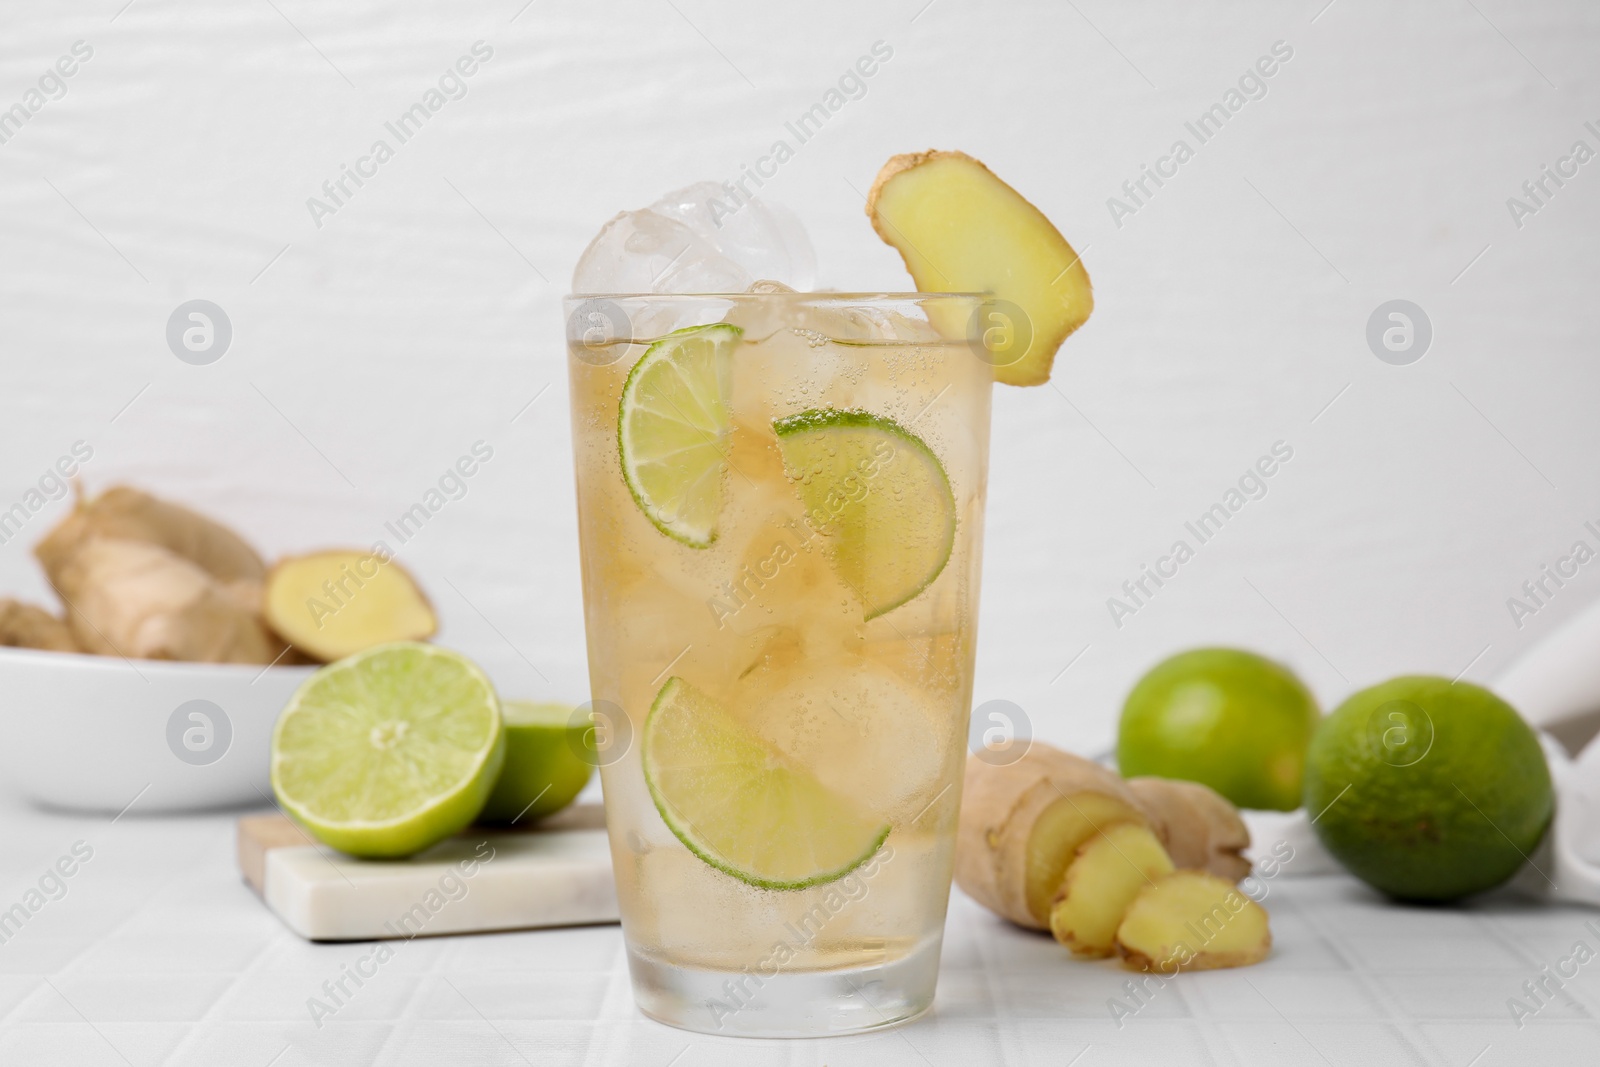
pixel 390 750
pixel 879 495
pixel 672 430
pixel 739 805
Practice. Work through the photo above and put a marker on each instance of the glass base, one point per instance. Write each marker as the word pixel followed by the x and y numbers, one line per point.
pixel 797 1004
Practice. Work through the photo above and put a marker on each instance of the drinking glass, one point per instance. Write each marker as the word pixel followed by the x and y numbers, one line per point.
pixel 780 506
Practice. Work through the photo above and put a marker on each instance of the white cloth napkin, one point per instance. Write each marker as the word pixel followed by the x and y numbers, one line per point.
pixel 1556 687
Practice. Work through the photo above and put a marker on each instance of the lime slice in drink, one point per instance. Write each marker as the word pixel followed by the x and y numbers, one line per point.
pixel 390 750
pixel 878 494
pixel 740 806
pixel 672 430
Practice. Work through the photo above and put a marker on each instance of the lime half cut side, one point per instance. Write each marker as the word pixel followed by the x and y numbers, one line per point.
pixel 879 495
pixel 739 806
pixel 673 425
pixel 389 751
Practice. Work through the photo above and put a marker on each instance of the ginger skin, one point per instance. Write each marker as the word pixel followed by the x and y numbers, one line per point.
pixel 134 599
pixel 30 626
pixel 147 579
pixel 1204 831
pixel 127 514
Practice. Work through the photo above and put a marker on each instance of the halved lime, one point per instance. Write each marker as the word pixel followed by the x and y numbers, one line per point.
pixel 740 806
pixel 390 750
pixel 878 494
pixel 672 430
pixel 543 772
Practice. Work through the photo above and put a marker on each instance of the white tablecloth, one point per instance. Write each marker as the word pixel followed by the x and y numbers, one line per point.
pixel 157 953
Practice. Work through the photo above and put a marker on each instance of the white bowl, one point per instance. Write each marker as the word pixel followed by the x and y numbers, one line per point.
pixel 99 733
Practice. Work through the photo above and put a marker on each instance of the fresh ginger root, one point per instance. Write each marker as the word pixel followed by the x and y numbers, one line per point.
pixel 29 626
pixel 1026 825
pixel 1023 822
pixel 333 604
pixel 139 600
pixel 1193 921
pixel 147 579
pixel 1204 831
pixel 1107 872
pixel 127 514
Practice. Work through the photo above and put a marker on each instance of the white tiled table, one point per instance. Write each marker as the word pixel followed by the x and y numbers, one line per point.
pixel 158 953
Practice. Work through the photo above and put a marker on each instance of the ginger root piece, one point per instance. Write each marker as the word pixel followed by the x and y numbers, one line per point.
pixel 1108 871
pixel 1022 824
pixel 30 626
pixel 143 601
pixel 127 514
pixel 333 604
pixel 1204 830
pixel 1192 921
pixel 147 579
pixel 961 229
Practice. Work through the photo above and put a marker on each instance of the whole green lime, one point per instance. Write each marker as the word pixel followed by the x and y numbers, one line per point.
pixel 1226 718
pixel 543 771
pixel 1428 789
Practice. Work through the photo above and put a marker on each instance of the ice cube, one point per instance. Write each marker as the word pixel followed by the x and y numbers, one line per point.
pixel 700 239
pixel 811 318
pixel 764 238
pixel 860 729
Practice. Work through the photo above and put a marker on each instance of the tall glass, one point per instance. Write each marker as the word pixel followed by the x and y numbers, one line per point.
pixel 789 690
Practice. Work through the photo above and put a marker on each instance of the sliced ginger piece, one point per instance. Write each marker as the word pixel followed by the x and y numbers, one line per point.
pixel 1022 823
pixel 334 604
pixel 961 229
pixel 1108 871
pixel 1193 921
pixel 1060 832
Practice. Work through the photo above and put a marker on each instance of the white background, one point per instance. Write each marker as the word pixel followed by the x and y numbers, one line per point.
pixel 370 353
